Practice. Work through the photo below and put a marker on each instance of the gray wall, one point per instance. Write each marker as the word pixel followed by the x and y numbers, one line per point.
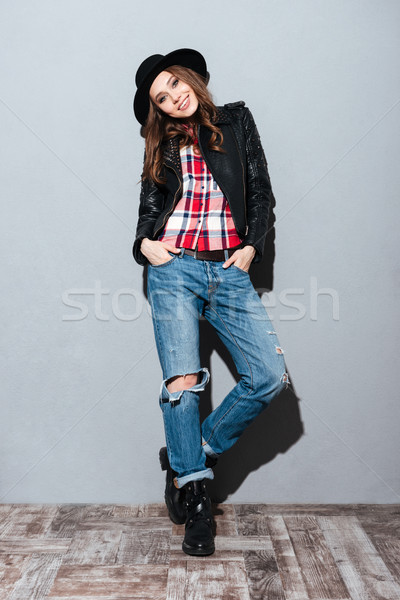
pixel 80 420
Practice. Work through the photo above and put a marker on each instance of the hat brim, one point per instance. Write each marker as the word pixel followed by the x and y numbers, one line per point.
pixel 185 57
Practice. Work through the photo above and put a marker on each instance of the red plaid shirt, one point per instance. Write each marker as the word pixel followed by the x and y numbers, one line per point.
pixel 202 215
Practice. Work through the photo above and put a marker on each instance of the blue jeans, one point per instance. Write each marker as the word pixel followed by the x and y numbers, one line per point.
pixel 179 292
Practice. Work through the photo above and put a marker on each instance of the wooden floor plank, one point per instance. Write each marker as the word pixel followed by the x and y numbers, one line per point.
pixel 225 520
pixel 140 510
pixel 117 582
pixel 5 509
pixel 289 568
pixel 263 575
pixel 204 580
pixel 37 579
pixel 93 547
pixel 253 524
pixel 31 545
pixel 362 568
pixel 5 513
pixel 144 547
pixel 253 520
pixel 12 566
pixel 177 580
pixel 125 523
pixel 384 532
pixel 65 520
pixel 28 521
pixel 316 509
pixel 319 571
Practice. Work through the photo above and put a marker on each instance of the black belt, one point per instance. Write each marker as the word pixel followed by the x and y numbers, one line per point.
pixel 211 254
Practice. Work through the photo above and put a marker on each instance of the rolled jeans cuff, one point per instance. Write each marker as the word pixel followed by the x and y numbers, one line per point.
pixel 207 449
pixel 206 474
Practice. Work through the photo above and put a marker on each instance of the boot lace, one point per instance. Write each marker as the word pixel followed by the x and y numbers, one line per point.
pixel 198 505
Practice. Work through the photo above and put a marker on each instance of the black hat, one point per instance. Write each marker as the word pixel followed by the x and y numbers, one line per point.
pixel 153 65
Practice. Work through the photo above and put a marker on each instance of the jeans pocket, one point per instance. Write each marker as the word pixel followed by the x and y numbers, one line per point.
pixel 167 262
pixel 239 269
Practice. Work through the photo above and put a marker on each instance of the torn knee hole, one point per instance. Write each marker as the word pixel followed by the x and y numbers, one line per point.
pixel 193 381
pixel 179 383
pixel 279 350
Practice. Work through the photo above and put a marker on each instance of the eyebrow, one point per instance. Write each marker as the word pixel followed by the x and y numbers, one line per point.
pixel 159 93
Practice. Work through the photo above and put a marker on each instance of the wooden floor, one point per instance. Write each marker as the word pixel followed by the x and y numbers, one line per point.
pixel 292 552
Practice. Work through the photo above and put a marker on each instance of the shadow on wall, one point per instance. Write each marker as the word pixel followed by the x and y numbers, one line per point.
pixel 274 431
pixel 278 427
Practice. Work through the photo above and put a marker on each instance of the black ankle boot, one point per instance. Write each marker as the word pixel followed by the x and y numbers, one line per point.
pixel 174 497
pixel 199 524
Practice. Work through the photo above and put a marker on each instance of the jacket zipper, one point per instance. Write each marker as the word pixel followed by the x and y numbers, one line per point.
pixel 173 202
pixel 244 187
pixel 226 195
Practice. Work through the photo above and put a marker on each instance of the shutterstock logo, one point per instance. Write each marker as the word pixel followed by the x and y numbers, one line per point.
pixel 129 304
pixel 95 302
pixel 307 303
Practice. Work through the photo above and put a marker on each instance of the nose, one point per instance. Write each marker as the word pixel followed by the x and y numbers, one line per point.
pixel 176 97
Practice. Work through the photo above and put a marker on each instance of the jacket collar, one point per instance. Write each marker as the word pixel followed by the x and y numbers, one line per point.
pixel 223 115
pixel 171 149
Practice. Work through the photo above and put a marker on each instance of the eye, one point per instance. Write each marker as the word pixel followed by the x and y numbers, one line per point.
pixel 161 100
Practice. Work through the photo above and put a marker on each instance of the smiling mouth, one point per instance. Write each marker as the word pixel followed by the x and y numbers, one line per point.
pixel 185 102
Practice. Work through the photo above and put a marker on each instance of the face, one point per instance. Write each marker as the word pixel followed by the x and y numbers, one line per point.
pixel 174 97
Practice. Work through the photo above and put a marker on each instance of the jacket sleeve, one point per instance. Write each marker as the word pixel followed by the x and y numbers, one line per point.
pixel 150 205
pixel 259 191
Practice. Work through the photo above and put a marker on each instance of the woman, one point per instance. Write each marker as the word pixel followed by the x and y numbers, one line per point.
pixel 203 213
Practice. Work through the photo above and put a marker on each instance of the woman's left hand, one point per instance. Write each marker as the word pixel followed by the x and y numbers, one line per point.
pixel 242 258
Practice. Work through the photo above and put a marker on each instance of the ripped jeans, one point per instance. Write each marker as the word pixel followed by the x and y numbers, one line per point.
pixel 180 291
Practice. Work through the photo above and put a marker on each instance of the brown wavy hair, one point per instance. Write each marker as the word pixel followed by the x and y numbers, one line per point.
pixel 159 127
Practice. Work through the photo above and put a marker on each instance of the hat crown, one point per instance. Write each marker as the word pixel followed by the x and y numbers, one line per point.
pixel 146 67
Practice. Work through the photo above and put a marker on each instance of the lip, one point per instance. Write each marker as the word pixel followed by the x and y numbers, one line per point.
pixel 187 97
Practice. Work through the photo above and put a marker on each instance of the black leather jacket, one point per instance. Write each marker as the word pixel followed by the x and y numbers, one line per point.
pixel 241 173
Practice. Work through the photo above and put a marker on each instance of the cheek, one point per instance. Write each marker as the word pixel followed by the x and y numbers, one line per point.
pixel 167 107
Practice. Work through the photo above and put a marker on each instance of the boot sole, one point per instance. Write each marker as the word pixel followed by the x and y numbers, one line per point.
pixel 198 551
